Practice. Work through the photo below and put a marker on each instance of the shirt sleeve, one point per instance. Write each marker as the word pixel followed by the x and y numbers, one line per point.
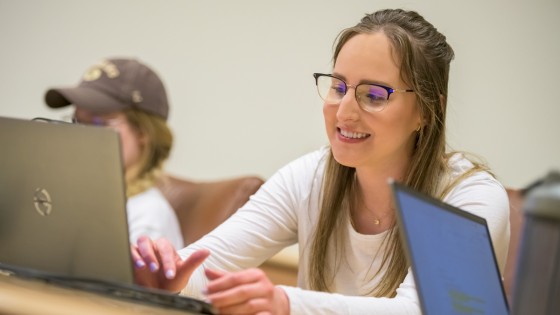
pixel 150 214
pixel 267 223
pixel 322 303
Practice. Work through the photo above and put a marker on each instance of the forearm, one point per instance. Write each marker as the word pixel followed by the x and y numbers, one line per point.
pixel 321 303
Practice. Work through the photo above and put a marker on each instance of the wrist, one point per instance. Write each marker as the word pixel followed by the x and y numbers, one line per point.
pixel 282 302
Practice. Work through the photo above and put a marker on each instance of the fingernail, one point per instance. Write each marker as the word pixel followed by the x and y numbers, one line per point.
pixel 204 291
pixel 170 274
pixel 153 267
pixel 140 264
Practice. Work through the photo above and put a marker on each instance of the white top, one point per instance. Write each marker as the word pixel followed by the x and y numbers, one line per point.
pixel 285 210
pixel 150 214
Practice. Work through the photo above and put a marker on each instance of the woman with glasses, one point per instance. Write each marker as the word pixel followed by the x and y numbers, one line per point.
pixel 384 109
pixel 129 97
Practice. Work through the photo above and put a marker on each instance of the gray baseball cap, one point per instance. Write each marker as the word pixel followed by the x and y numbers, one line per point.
pixel 114 85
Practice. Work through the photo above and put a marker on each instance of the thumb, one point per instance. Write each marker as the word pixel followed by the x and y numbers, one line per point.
pixel 186 267
pixel 213 274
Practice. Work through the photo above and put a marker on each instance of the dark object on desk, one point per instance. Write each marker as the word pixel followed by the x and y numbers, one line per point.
pixel 516 218
pixel 202 206
pixel 537 280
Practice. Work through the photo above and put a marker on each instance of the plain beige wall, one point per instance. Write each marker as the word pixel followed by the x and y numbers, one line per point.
pixel 238 73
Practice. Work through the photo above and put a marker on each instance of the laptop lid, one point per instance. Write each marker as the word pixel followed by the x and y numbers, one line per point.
pixel 63 212
pixel 452 256
pixel 62 199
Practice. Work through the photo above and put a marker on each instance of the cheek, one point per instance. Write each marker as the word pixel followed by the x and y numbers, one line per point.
pixel 329 114
pixel 130 148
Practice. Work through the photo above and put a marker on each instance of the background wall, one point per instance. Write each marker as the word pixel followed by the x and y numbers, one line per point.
pixel 238 73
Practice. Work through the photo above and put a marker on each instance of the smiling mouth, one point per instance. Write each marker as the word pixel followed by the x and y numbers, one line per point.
pixel 353 135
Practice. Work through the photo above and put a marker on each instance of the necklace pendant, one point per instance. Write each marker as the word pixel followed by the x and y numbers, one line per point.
pixel 376 221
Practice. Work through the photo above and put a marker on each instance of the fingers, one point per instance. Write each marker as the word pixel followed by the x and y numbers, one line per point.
pixel 247 296
pixel 212 274
pixel 166 270
pixel 146 251
pixel 142 276
pixel 197 257
pixel 248 291
pixel 233 279
pixel 186 267
pixel 167 258
pixel 136 258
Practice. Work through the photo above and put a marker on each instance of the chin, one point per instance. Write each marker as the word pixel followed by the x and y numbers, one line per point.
pixel 344 159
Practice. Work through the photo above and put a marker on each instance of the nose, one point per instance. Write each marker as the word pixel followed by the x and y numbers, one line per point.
pixel 348 109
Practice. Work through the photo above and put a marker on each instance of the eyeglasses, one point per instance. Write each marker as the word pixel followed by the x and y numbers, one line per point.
pixel 98 121
pixel 371 97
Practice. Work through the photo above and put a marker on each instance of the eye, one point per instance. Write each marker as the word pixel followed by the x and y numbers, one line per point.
pixel 98 121
pixel 338 88
pixel 372 97
pixel 374 94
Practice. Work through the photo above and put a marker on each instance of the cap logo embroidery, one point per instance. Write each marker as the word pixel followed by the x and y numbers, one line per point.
pixel 95 71
pixel 137 96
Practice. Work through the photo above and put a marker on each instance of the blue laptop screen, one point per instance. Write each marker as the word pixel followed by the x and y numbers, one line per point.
pixel 452 257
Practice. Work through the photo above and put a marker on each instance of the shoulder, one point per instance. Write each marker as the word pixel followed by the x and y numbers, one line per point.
pixel 151 199
pixel 482 194
pixel 473 185
pixel 478 192
pixel 295 183
pixel 310 159
pixel 303 170
pixel 460 172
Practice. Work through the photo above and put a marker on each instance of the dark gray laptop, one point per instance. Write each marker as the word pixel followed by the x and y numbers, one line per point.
pixel 63 208
pixel 452 256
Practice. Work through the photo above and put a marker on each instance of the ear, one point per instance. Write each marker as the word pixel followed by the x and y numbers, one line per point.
pixel 143 138
pixel 442 100
pixel 420 123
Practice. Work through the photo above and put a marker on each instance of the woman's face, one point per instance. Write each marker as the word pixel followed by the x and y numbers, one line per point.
pixel 131 140
pixel 377 140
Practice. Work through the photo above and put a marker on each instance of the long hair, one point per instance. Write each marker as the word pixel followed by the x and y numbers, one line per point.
pixel 158 143
pixel 424 57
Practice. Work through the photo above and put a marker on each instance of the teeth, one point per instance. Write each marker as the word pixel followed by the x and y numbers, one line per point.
pixel 353 135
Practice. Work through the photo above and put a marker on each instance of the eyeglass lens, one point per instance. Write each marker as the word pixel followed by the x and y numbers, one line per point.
pixel 370 97
pixel 97 121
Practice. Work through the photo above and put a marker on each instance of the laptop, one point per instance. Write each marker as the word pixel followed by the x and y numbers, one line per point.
pixel 63 210
pixel 451 254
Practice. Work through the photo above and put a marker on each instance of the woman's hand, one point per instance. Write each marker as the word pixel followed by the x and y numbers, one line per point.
pixel 157 264
pixel 245 292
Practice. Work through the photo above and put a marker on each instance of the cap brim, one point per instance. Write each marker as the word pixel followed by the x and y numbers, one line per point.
pixel 83 97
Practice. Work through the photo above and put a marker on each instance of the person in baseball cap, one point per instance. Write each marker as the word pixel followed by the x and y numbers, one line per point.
pixel 114 85
pixel 128 96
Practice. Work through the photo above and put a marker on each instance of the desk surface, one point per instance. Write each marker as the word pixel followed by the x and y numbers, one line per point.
pixel 25 296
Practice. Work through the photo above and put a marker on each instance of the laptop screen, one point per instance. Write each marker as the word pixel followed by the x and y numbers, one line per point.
pixel 451 255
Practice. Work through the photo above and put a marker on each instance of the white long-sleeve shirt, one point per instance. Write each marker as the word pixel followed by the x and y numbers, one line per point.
pixel 285 211
pixel 150 214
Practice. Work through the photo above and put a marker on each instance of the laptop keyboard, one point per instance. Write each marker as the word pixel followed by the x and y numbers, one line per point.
pixel 139 294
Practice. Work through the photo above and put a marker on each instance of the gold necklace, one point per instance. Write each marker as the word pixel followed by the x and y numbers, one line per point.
pixel 376 220
pixel 359 200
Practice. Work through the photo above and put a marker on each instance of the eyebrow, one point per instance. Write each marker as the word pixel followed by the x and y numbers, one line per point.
pixel 363 81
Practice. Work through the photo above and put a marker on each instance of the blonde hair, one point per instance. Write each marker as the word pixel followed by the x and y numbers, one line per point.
pixel 158 141
pixel 424 57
